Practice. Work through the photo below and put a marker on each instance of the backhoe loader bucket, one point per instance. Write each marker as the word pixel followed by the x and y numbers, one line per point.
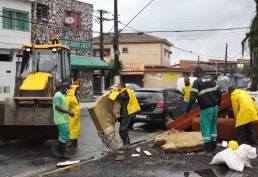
pixel 27 118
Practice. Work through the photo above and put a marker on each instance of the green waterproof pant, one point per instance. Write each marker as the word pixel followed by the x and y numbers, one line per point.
pixel 64 132
pixel 209 119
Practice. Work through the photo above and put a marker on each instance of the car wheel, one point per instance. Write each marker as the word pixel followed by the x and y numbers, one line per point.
pixel 168 118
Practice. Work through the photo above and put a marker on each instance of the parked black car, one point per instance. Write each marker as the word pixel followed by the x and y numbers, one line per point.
pixel 131 86
pixel 158 105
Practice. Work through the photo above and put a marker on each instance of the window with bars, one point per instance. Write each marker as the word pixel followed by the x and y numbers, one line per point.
pixel 15 20
pixel 125 50
pixel 106 52
pixel 6 89
pixel 42 13
pixel 72 19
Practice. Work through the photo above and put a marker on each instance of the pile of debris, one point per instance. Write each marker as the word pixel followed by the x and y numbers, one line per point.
pixel 176 141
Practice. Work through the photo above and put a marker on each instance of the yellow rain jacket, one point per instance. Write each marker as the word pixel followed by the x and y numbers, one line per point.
pixel 133 105
pixel 74 122
pixel 244 107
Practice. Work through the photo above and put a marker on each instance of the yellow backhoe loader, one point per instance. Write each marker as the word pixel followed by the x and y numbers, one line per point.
pixel 29 114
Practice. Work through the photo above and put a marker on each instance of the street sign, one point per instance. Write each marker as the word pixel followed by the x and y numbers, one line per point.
pixel 117 52
pixel 77 44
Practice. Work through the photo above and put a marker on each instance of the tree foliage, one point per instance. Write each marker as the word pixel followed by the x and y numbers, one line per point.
pixel 110 73
pixel 252 38
pixel 246 70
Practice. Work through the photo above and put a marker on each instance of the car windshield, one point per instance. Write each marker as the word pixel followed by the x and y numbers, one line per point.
pixel 149 97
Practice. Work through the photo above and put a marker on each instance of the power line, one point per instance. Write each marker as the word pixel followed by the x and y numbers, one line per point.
pixel 193 35
pixel 129 27
pixel 209 38
pixel 235 56
pixel 183 31
pixel 200 21
pixel 238 54
pixel 137 15
pixel 196 53
pixel 133 17
pixel 196 30
pixel 223 29
pixel 153 27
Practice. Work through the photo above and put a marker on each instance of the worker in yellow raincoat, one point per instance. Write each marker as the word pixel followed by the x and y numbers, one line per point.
pixel 245 112
pixel 73 122
pixel 129 105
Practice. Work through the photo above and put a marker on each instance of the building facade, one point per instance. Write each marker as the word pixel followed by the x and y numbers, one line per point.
pixel 71 20
pixel 216 66
pixel 15 29
pixel 146 59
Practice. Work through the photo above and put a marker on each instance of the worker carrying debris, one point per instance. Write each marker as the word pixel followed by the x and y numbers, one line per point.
pixel 118 105
pixel 129 105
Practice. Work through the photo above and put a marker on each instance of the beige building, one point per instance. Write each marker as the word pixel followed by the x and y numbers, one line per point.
pixel 146 59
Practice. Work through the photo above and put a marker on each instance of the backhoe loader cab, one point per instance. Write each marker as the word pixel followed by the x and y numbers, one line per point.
pixel 47 62
pixel 29 114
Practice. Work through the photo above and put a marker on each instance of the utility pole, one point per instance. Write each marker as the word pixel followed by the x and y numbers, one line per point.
pixel 198 61
pixel 101 46
pixel 115 45
pixel 101 51
pixel 226 60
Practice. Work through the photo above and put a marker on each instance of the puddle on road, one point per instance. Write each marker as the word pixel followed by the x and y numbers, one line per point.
pixel 225 172
pixel 74 168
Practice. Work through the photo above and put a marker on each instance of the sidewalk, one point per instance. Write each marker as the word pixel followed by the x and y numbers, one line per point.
pixel 86 104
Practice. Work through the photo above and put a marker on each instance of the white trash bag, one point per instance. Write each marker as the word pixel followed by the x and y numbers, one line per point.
pixel 236 159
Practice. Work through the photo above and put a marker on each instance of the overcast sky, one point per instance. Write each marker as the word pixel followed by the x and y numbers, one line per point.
pixel 186 15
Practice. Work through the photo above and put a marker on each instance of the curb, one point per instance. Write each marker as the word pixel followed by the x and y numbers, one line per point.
pixel 91 157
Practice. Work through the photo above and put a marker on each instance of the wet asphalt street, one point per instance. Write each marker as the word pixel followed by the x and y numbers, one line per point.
pixel 28 158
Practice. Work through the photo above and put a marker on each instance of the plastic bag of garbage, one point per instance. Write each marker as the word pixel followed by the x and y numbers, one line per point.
pixel 236 160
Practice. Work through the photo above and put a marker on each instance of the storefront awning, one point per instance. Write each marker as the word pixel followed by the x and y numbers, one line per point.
pixel 131 73
pixel 87 62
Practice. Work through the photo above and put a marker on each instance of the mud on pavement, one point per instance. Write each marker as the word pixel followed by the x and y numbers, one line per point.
pixel 158 164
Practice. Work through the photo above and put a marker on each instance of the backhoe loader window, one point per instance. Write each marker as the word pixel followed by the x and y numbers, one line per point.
pixel 66 66
pixel 23 68
pixel 47 61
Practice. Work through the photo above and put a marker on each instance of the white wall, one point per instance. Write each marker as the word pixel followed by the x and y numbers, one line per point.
pixel 11 39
